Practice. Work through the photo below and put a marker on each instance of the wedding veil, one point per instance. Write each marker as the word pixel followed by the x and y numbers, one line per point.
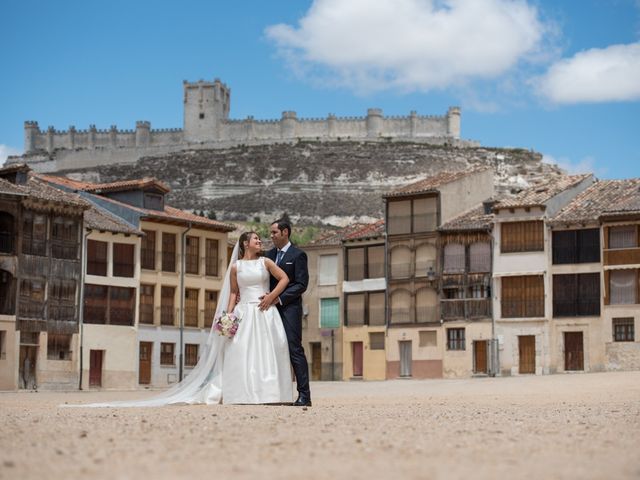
pixel 204 383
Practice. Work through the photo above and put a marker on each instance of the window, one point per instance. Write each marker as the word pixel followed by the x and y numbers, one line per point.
pixel 167 312
pixel 376 340
pixel 148 250
pixel 454 258
pixel 168 252
pixel 121 306
pixel 210 304
pixel 153 201
pixel 623 287
pixel 399 217
pixel 64 238
pixel 425 262
pixel 146 304
pixel 365 308
pixel 623 237
pixel 480 257
pixel 191 307
pixel 62 300
pixel 329 313
pixel 576 295
pixel 522 237
pixel 428 338
pixel 211 257
pixel 576 246
pixel 3 344
pixel 192 255
pixel 123 259
pixel 375 261
pixel 7 232
pixel 95 304
pixel 97 258
pixel 201 116
pixel 167 354
pixel 34 234
pixel 424 214
pixel 31 304
pixel 522 296
pixel 58 347
pixel 355 264
pixel 327 269
pixel 190 354
pixel 455 339
pixel 400 306
pixel 623 329
pixel 400 261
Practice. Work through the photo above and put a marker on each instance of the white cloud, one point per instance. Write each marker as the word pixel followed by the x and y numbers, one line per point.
pixel 5 151
pixel 409 45
pixel 586 165
pixel 597 75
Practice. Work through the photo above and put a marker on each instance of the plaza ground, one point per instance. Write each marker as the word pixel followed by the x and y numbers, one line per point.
pixel 583 426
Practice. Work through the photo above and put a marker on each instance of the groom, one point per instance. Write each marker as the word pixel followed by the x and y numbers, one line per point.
pixel 294 263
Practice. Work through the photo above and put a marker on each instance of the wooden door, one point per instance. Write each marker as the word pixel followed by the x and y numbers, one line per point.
pixel 527 350
pixel 480 358
pixel 27 367
pixel 95 368
pixel 405 358
pixel 316 361
pixel 573 351
pixel 144 369
pixel 357 350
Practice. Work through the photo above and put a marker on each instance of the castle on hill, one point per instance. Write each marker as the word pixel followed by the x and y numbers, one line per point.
pixel 207 124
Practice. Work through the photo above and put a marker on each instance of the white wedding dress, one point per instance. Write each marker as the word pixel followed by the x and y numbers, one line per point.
pixel 251 367
pixel 256 365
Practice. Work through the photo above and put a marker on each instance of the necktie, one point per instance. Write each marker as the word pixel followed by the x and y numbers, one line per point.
pixel 279 257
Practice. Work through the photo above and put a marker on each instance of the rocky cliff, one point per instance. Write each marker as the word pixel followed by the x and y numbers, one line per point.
pixel 315 182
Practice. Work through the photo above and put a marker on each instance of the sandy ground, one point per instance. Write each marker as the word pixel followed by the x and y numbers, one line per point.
pixel 583 426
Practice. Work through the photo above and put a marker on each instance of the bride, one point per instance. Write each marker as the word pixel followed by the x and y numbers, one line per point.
pixel 253 367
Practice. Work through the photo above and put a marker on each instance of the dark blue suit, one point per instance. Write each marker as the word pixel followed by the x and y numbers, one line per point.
pixel 294 264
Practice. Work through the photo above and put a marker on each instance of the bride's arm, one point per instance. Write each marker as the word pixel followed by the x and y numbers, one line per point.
pixel 283 281
pixel 234 289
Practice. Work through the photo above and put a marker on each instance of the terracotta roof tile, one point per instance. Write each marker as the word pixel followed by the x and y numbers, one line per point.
pixel 97 218
pixel 605 197
pixel 432 183
pixel 473 219
pixel 9 188
pixel 107 187
pixel 356 231
pixel 539 195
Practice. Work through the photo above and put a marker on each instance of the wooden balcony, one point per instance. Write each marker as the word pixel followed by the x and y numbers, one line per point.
pixel 622 256
pixel 465 308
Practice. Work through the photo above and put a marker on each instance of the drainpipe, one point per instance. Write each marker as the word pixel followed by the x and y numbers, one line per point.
pixel 183 265
pixel 83 273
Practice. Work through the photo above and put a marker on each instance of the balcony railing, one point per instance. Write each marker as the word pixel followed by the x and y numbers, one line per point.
pixel 622 256
pixel 123 269
pixel 522 308
pixel 167 315
pixel 65 313
pixel 96 314
pixel 376 316
pixel 400 315
pixel 585 308
pixel 191 316
pixel 148 258
pixel 427 314
pixel 121 316
pixel 146 314
pixel 465 308
pixel 168 262
pixel 192 263
pixel 27 308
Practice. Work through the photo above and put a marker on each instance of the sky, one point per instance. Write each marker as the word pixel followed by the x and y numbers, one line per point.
pixel 561 77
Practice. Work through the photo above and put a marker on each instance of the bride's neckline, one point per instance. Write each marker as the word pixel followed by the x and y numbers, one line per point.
pixel 250 260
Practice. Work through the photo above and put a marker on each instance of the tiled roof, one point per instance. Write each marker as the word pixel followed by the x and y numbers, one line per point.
pixel 97 218
pixel 432 183
pixel 9 188
pixel 539 195
pixel 39 189
pixel 473 219
pixel 356 231
pixel 603 197
pixel 107 187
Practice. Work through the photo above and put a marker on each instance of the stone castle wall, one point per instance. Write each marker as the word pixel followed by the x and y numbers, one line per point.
pixel 206 125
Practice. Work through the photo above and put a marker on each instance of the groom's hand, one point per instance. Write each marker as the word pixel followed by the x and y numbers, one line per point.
pixel 265 302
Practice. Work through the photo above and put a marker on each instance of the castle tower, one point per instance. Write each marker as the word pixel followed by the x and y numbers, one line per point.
pixel 143 133
pixel 206 106
pixel 31 132
pixel 453 122
pixel 375 123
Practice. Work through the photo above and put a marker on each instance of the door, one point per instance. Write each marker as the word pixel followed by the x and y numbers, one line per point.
pixel 573 351
pixel 27 367
pixel 405 358
pixel 480 356
pixel 356 351
pixel 316 361
pixel 95 368
pixel 527 351
pixel 144 370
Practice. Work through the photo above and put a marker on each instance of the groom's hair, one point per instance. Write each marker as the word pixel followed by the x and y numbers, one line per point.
pixel 283 224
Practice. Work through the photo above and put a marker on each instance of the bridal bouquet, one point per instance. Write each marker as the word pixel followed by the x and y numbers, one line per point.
pixel 226 324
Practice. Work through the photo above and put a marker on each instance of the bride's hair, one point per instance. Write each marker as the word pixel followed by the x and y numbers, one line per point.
pixel 245 237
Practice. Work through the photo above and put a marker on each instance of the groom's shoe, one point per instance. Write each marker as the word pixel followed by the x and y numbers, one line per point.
pixel 302 402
